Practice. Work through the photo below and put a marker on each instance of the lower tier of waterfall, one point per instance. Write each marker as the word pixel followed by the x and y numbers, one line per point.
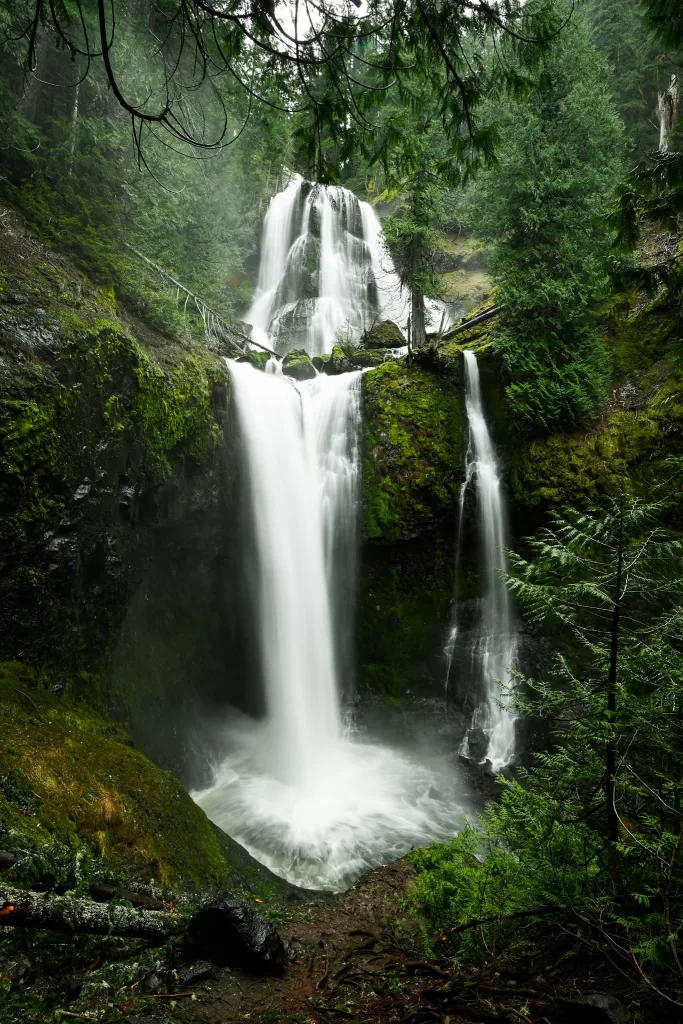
pixel 307 797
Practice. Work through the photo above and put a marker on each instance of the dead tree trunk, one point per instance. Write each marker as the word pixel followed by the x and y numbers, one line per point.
pixel 21 909
pixel 667 112
pixel 418 319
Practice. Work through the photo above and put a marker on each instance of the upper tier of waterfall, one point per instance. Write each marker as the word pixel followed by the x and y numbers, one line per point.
pixel 324 273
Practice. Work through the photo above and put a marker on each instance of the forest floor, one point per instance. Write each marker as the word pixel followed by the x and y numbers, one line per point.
pixel 360 957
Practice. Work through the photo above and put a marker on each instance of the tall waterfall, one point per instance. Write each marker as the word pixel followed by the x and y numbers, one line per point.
pixel 324 273
pixel 314 801
pixel 491 645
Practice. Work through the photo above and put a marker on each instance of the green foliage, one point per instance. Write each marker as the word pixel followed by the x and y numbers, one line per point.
pixel 558 159
pixel 69 166
pixel 592 833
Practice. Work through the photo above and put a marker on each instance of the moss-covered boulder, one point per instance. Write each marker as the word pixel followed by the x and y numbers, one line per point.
pixel 365 358
pixel 298 364
pixel 257 357
pixel 386 334
pixel 338 362
pixel 412 450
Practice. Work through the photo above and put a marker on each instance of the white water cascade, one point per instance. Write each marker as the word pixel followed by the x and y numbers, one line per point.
pixel 312 802
pixel 324 271
pixel 493 643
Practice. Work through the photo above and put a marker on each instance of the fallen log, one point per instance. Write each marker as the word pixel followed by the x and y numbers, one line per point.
pixel 228 929
pixel 480 318
pixel 21 909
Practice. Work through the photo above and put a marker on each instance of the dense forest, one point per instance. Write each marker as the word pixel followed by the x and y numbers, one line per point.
pixel 341 510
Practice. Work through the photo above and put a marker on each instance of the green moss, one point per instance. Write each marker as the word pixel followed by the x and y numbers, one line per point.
pixel 297 364
pixel 384 335
pixel 366 358
pixel 642 338
pixel 412 449
pixel 258 359
pixel 625 451
pixel 90 787
pixel 106 390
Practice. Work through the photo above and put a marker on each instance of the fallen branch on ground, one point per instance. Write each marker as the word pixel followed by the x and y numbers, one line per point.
pixel 22 909
pixel 518 915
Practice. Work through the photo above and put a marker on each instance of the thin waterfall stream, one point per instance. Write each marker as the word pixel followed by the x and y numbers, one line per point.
pixel 486 652
pixel 309 797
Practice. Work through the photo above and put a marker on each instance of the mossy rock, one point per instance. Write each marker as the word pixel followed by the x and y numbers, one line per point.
pixel 386 334
pixel 641 338
pixel 338 362
pixel 298 364
pixel 412 450
pixel 321 361
pixel 103 422
pixel 258 358
pixel 365 358
pixel 641 428
pixel 405 605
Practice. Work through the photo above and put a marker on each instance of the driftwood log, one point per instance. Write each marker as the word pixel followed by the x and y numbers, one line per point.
pixel 21 909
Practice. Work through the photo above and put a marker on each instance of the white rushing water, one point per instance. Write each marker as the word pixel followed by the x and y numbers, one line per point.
pixel 310 801
pixel 493 643
pixel 325 274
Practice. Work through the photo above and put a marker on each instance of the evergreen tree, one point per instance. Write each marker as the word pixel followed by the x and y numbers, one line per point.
pixel 558 159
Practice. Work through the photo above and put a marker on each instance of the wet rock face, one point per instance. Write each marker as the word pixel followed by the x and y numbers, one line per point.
pixel 115 479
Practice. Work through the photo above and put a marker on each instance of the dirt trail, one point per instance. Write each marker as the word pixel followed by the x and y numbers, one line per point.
pixel 358 958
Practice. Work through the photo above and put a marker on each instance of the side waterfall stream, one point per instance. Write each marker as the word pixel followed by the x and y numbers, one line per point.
pixel 490 648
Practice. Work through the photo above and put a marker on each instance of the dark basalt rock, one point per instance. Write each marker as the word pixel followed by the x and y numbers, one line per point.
pixel 232 932
pixel 19 972
pixel 198 972
pixel 592 1008
pixel 7 860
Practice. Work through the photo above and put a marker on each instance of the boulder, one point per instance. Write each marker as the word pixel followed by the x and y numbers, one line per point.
pixel 386 334
pixel 321 361
pixel 591 1008
pixel 231 931
pixel 257 357
pixel 338 362
pixel 297 364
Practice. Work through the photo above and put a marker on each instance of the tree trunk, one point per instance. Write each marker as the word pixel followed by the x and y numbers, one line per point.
pixel 667 112
pixel 418 319
pixel 22 909
pixel 611 752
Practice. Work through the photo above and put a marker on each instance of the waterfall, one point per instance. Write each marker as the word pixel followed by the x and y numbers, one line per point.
pixel 316 802
pixel 303 474
pixel 325 275
pixel 491 646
